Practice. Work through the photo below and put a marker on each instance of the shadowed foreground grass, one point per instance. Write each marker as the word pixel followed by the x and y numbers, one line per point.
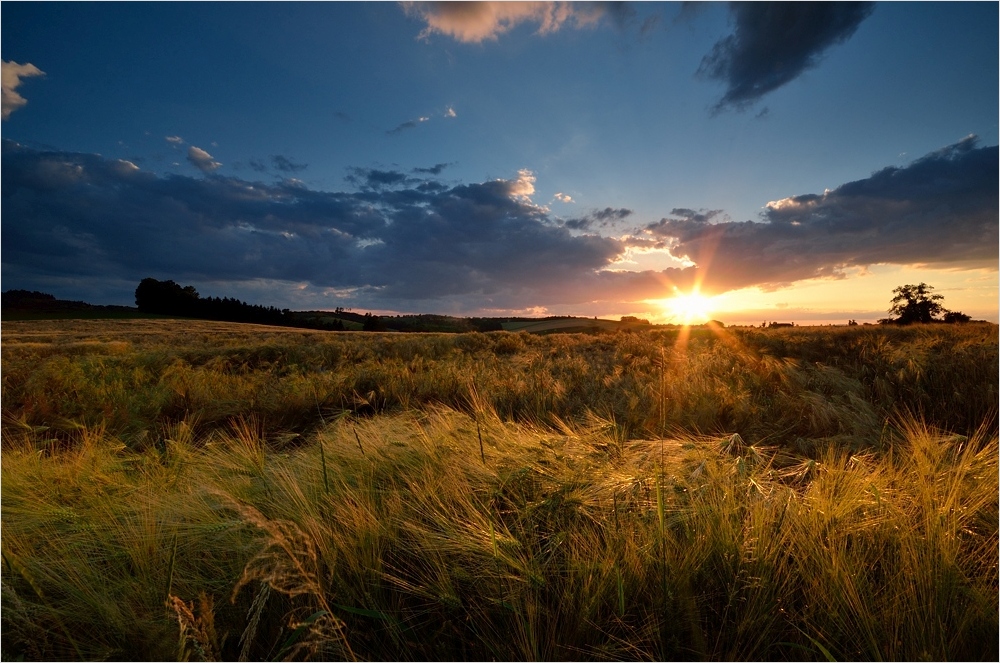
pixel 490 524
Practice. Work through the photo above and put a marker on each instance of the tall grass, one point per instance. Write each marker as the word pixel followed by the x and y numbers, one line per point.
pixel 727 499
pixel 789 386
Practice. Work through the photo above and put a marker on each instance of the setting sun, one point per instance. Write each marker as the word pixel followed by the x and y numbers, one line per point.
pixel 690 309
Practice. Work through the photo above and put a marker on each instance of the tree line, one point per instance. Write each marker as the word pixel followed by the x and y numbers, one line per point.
pixel 170 298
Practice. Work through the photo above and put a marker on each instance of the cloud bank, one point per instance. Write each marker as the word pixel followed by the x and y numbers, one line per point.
pixel 774 42
pixel 475 22
pixel 406 241
pixel 11 74
pixel 400 241
pixel 941 210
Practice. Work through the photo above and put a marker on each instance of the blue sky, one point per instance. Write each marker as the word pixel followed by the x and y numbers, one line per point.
pixel 793 161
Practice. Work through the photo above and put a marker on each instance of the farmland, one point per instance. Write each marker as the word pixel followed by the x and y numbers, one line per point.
pixel 205 490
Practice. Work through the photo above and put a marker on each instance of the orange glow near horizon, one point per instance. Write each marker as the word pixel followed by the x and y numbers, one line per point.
pixel 692 308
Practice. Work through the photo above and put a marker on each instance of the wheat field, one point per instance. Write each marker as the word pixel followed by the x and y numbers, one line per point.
pixel 206 491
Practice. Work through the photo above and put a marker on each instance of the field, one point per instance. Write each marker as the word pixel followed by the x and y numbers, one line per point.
pixel 205 491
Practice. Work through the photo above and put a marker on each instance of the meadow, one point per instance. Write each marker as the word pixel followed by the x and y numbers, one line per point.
pixel 192 490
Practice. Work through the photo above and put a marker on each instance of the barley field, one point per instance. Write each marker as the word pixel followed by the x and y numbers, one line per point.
pixel 191 490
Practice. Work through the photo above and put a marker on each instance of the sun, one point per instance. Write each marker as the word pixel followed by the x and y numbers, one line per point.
pixel 690 309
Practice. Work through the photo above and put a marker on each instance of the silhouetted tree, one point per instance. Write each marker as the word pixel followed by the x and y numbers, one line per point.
pixel 956 316
pixel 915 303
pixel 372 323
pixel 166 297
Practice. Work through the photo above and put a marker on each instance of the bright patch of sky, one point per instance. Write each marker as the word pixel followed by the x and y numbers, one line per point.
pixel 553 157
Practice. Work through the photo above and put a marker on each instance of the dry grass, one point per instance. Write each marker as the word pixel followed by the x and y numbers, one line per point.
pixel 756 496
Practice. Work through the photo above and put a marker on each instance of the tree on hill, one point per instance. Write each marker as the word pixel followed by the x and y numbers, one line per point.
pixel 373 323
pixel 166 297
pixel 917 303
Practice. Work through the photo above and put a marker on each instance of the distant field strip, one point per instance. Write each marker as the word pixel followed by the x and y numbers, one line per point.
pixel 552 325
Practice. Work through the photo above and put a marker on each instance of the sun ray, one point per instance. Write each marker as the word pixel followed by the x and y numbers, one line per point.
pixel 691 308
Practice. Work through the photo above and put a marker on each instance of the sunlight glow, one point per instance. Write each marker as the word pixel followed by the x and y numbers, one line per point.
pixel 690 309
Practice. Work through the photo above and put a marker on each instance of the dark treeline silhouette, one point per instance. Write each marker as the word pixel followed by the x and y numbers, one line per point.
pixel 169 298
pixel 24 297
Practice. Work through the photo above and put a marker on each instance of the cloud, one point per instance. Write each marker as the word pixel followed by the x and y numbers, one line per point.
pixel 563 197
pixel 374 178
pixel 475 22
pixel 524 186
pixel 700 216
pixel 773 43
pixel 174 140
pixel 400 242
pixel 409 124
pixel 432 170
pixel 285 165
pixel 604 218
pixel 202 160
pixel 11 74
pixel 940 210
pixel 428 245
pixel 450 112
pixel 650 24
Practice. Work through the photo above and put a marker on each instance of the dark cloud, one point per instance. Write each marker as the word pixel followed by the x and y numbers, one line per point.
pixel 410 124
pixel 611 214
pixel 603 218
pixel 699 216
pixel 940 210
pixel 373 178
pixel 285 165
pixel 430 186
pixel 258 165
pixel 75 222
pixel 774 42
pixel 87 219
pixel 432 170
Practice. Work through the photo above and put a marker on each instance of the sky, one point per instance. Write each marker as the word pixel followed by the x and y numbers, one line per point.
pixel 789 162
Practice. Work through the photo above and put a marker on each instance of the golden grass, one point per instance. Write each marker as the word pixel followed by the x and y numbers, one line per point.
pixel 336 496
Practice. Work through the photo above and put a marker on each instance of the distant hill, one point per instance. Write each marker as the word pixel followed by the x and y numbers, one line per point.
pixel 33 305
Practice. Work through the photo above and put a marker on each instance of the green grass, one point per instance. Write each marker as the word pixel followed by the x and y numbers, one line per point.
pixel 199 490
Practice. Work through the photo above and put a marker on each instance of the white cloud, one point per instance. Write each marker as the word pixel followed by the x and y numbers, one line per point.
pixel 202 160
pixel 11 74
pixel 524 186
pixel 450 112
pixel 563 198
pixel 175 140
pixel 124 167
